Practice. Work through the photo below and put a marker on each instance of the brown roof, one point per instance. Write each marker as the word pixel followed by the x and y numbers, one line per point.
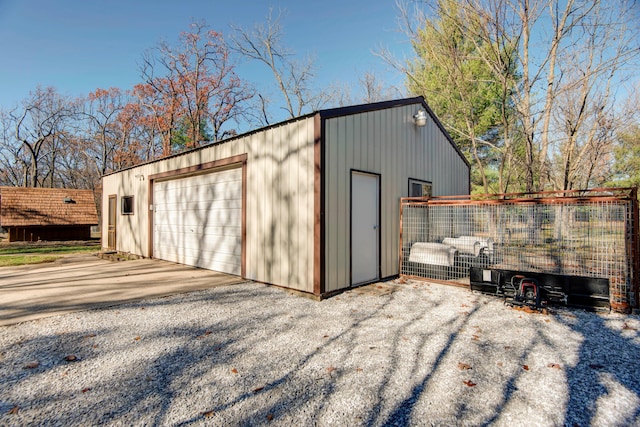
pixel 23 207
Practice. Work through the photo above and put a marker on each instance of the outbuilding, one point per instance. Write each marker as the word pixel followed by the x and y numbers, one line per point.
pixel 33 214
pixel 310 204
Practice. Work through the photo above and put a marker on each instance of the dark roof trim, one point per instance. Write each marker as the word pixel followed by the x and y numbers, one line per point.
pixel 446 134
pixel 324 114
pixel 366 108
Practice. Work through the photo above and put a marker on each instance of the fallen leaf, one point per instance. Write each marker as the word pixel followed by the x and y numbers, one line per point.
pixel 71 358
pixel 464 305
pixel 258 390
pixel 234 370
pixel 326 336
pixel 86 389
pixel 469 383
pixel 14 410
pixel 32 365
pixel 554 366
pixel 207 414
pixel 525 367
pixel 464 366
pixel 137 338
pixel 331 369
pixel 507 347
pixel 475 337
pixel 269 417
pixel 500 364
pixel 358 369
pixel 90 336
pixel 547 320
pixel 141 308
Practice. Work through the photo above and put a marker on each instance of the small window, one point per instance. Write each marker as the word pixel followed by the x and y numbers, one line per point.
pixel 419 188
pixel 127 205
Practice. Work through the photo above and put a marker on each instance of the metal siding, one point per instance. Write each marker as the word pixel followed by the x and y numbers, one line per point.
pixel 279 206
pixel 385 142
pixel 343 191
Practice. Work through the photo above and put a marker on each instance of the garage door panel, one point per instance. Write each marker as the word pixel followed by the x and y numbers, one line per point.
pixel 226 264
pixel 198 220
pixel 222 244
pixel 201 217
pixel 177 197
pixel 204 255
pixel 194 206
pixel 215 231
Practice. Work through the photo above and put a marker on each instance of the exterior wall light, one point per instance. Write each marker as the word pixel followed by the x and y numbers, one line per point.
pixel 420 118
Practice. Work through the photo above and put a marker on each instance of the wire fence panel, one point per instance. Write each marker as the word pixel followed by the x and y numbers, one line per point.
pixel 591 233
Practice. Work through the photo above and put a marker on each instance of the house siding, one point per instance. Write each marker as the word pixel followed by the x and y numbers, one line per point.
pixel 384 142
pixel 279 201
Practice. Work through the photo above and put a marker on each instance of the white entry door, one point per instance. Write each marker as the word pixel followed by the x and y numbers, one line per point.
pixel 365 228
pixel 198 220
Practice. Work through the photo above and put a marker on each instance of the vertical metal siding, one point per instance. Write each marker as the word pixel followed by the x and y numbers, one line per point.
pixel 388 143
pixel 279 202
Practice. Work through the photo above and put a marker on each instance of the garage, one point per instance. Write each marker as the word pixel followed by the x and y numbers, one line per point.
pixel 197 220
pixel 277 205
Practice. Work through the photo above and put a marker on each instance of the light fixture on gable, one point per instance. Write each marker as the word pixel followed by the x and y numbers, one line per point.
pixel 420 118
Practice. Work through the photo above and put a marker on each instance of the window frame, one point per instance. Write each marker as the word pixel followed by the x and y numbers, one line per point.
pixel 127 201
pixel 422 183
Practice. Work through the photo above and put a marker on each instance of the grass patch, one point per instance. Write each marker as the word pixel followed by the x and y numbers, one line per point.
pixel 22 254
pixel 14 260
pixel 12 250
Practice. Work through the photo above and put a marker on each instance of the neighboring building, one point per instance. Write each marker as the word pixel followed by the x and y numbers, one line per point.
pixel 310 204
pixel 32 214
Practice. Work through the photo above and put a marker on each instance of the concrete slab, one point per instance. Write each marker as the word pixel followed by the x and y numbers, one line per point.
pixel 84 282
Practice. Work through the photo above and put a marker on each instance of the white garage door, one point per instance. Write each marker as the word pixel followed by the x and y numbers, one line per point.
pixel 198 220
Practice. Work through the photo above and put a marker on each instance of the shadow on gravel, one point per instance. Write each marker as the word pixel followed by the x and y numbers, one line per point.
pixel 608 369
pixel 252 355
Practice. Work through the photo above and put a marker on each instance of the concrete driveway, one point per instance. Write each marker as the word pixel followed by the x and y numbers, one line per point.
pixel 78 283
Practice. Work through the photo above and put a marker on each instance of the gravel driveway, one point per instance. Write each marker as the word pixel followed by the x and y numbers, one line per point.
pixel 386 354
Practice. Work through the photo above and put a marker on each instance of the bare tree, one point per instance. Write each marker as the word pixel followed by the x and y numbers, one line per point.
pixel 195 81
pixel 100 112
pixel 570 54
pixel 40 119
pixel 558 97
pixel 293 77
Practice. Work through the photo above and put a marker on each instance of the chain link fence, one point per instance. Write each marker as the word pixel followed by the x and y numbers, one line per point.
pixel 590 233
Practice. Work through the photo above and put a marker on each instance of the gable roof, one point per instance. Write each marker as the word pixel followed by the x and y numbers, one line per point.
pixel 382 105
pixel 326 113
pixel 28 207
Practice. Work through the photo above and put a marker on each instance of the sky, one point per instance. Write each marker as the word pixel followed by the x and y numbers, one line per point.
pixel 80 45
